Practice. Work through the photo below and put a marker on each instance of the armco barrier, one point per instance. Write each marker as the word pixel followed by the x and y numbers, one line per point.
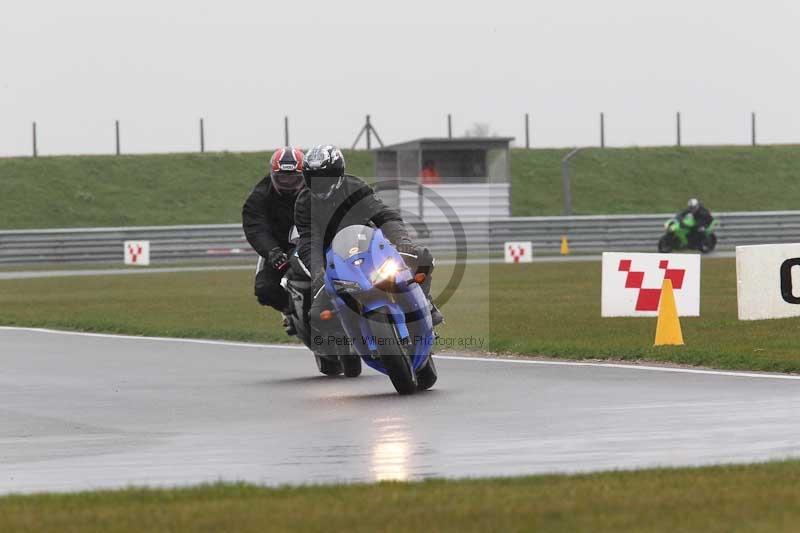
pixel 586 234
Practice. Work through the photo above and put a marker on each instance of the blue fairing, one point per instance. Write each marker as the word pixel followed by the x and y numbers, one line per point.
pixel 354 256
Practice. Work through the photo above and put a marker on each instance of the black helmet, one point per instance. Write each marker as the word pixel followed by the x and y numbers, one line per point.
pixel 323 169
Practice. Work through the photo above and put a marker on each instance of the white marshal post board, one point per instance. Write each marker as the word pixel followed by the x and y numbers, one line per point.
pixel 519 252
pixel 137 253
pixel 768 281
pixel 632 282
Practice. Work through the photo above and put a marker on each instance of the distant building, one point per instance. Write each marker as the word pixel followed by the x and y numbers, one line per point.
pixel 471 175
pixel 461 160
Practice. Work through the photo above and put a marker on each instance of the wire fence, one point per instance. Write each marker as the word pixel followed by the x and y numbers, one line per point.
pixel 368 132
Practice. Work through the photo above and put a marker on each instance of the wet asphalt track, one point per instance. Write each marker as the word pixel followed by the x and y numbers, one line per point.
pixel 83 412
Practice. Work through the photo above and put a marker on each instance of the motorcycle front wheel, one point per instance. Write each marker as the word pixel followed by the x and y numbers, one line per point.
pixel 427 375
pixel 665 244
pixel 392 353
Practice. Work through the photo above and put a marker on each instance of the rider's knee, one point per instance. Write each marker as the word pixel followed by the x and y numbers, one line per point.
pixel 263 299
pixel 268 294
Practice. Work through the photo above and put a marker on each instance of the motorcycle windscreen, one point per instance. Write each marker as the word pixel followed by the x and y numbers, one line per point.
pixel 352 240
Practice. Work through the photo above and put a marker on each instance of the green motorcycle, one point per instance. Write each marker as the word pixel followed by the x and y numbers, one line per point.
pixel 681 235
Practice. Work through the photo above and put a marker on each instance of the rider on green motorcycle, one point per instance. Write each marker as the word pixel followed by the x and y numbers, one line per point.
pixel 696 218
pixel 691 229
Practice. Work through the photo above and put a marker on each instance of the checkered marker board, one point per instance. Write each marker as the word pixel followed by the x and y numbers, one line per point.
pixel 518 252
pixel 768 281
pixel 137 253
pixel 632 283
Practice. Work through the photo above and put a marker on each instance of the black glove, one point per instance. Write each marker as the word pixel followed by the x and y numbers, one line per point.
pixel 406 247
pixel 410 254
pixel 278 259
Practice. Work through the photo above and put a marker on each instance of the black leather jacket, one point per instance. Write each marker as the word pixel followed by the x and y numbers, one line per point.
pixel 702 216
pixel 267 218
pixel 353 202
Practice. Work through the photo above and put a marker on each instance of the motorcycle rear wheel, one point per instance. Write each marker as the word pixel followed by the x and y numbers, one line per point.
pixel 327 366
pixel 393 354
pixel 708 244
pixel 351 363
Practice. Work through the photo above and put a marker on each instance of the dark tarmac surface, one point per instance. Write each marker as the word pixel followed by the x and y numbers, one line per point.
pixel 92 411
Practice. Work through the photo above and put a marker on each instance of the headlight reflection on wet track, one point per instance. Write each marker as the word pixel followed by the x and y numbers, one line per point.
pixel 392 450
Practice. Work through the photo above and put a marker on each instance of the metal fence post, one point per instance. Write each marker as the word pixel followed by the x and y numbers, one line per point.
pixel 369 134
pixel 202 137
pixel 35 148
pixel 286 131
pixel 678 129
pixel 527 132
pixel 602 130
pixel 449 126
pixel 116 130
pixel 753 128
pixel 565 180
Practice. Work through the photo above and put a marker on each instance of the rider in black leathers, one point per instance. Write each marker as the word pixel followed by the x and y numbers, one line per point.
pixel 702 218
pixel 267 219
pixel 333 200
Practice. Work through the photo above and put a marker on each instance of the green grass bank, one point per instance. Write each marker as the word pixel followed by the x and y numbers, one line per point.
pixel 159 189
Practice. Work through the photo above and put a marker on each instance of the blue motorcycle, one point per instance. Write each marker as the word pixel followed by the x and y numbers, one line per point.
pixel 381 306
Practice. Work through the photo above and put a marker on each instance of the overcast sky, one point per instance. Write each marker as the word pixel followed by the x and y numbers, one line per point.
pixel 158 66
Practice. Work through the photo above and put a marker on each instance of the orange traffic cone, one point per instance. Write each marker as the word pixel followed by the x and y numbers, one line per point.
pixel 668 329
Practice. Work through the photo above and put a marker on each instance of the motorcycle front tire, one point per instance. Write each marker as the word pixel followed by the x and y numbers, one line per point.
pixel 427 375
pixel 393 354
pixel 665 244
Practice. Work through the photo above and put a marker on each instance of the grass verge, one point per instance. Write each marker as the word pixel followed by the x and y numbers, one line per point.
pixel 658 180
pixel 160 189
pixel 133 190
pixel 543 309
pixel 760 497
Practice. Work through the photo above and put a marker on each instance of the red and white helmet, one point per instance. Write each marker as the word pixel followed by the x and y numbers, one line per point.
pixel 286 169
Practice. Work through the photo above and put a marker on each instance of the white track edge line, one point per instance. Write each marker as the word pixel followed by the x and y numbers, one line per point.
pixel 157 339
pixel 446 357
pixel 625 367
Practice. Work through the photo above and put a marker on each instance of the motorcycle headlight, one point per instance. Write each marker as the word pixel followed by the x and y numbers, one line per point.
pixel 344 286
pixel 386 272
